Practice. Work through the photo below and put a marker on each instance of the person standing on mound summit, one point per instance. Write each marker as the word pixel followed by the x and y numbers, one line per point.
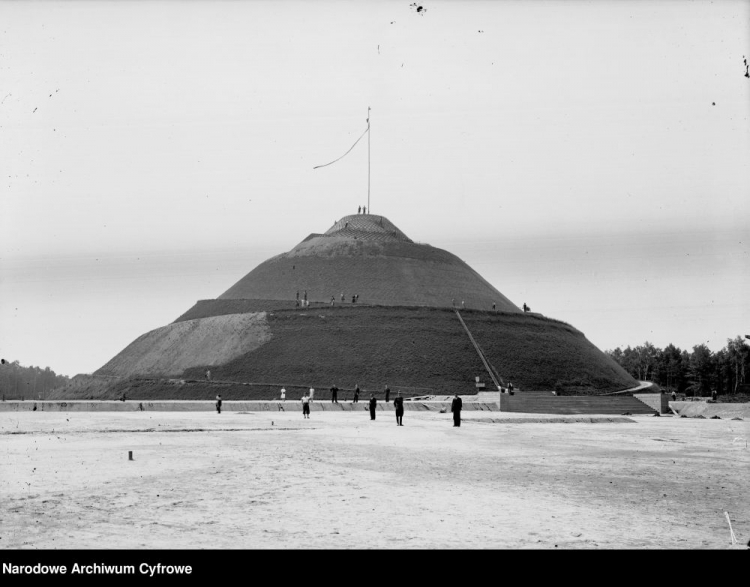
pixel 398 403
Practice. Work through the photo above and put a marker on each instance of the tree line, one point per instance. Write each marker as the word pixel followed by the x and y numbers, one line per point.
pixel 19 382
pixel 695 373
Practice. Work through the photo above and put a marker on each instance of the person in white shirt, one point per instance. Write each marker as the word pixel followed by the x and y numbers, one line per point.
pixel 306 406
pixel 283 399
pixel 312 393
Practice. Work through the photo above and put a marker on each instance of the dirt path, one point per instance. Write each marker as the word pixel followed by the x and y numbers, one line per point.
pixel 338 480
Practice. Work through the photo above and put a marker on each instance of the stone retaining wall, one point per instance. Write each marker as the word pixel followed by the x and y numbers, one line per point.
pixel 657 401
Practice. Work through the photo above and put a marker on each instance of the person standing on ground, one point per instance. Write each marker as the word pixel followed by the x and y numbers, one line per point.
pixel 510 388
pixel 312 393
pixel 387 392
pixel 398 403
pixel 305 406
pixel 373 406
pixel 674 395
pixel 218 404
pixel 342 297
pixel 283 399
pixel 456 406
pixel 334 394
pixel 356 394
pixel 208 375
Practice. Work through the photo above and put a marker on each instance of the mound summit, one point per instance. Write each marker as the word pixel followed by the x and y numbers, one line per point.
pixel 361 304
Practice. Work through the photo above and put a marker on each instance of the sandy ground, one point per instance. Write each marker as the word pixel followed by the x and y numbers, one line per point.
pixel 338 480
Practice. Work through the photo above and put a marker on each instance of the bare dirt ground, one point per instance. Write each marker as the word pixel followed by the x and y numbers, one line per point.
pixel 338 480
pixel 171 349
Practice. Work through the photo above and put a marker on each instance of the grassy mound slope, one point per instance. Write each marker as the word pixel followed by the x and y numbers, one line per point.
pixel 386 274
pixel 369 346
pixel 543 354
pixel 422 348
pixel 420 351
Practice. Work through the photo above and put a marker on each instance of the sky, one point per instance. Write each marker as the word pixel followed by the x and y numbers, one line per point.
pixel 589 159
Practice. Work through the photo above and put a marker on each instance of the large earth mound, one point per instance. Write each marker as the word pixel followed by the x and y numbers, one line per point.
pixel 402 330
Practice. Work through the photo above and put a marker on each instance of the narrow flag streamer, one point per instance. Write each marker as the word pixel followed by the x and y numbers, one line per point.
pixel 350 150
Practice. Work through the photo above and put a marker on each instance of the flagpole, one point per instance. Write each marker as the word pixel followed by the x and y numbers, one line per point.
pixel 368 159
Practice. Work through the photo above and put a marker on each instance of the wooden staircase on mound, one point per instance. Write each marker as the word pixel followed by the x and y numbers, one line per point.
pixel 543 402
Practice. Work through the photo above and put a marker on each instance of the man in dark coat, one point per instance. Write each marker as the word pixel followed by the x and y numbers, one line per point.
pixel 456 409
pixel 373 405
pixel 334 394
pixel 398 403
pixel 356 394
pixel 387 392
pixel 218 404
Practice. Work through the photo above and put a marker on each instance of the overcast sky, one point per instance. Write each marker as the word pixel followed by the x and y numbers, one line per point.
pixel 591 159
